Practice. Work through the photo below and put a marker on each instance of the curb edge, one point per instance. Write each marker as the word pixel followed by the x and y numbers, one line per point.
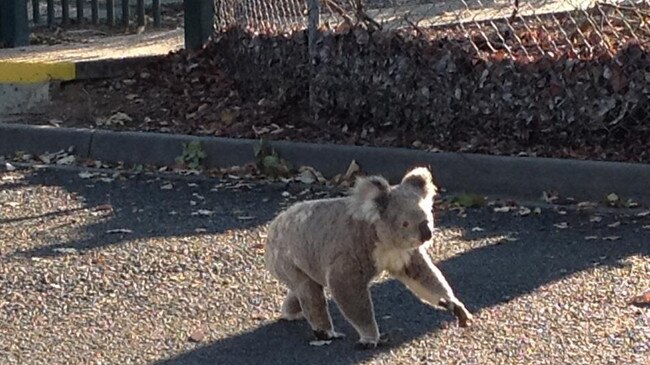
pixel 497 176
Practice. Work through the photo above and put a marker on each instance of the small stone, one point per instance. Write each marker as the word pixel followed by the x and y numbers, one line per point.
pixel 197 336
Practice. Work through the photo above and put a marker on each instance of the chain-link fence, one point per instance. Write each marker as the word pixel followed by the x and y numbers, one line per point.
pixel 479 74
pixel 512 26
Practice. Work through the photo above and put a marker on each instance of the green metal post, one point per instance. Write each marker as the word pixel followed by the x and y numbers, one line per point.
pixel 14 29
pixel 199 22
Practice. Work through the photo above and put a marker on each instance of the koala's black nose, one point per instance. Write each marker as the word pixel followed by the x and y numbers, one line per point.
pixel 425 232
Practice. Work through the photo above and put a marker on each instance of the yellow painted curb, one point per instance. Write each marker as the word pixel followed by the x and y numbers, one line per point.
pixel 35 72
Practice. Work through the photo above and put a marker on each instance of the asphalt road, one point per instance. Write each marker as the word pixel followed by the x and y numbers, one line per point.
pixel 541 293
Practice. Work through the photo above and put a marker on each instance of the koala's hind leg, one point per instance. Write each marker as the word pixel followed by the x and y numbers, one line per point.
pixel 291 310
pixel 312 302
pixel 426 281
pixel 354 300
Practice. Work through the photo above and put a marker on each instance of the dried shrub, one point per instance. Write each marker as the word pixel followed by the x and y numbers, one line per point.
pixel 391 87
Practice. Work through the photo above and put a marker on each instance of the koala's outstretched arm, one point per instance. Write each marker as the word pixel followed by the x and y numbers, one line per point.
pixel 426 281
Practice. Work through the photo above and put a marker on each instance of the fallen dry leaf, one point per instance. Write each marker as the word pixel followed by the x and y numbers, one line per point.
pixel 87 174
pixel 595 219
pixel 352 170
pixel 118 118
pixel 65 250
pixel 561 225
pixel 320 343
pixel 587 205
pixel 203 213
pixel 55 122
pixel 119 230
pixel 642 299
pixel 523 211
pixel 307 177
pixel 614 225
pixel 167 186
pixel 613 198
pixel 67 160
pixel 550 196
pixel 104 207
pixel 469 200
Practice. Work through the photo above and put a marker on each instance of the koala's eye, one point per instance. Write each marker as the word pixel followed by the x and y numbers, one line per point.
pixel 405 224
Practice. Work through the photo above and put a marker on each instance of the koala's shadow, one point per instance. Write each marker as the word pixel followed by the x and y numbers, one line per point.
pixel 399 313
pixel 483 277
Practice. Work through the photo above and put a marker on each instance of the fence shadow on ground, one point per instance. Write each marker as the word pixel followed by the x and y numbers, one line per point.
pixel 140 205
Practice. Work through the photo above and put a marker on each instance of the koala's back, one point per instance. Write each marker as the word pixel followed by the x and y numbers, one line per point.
pixel 314 235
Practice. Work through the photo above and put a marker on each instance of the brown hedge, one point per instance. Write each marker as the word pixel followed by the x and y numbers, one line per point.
pixel 393 87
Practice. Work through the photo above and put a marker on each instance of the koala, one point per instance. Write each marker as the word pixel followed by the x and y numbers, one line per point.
pixel 343 243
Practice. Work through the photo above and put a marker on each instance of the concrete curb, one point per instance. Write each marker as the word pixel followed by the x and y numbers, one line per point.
pixel 20 72
pixel 24 85
pixel 496 176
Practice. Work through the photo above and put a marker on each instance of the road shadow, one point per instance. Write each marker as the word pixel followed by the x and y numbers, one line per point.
pixel 482 278
pixel 148 206
pixel 398 312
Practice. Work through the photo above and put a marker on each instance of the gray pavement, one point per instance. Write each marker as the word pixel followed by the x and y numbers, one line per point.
pixel 541 293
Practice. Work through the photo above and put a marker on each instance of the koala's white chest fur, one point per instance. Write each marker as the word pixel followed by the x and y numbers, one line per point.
pixel 391 259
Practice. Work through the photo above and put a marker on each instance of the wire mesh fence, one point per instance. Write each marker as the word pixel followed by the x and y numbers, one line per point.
pixel 261 15
pixel 482 75
pixel 512 27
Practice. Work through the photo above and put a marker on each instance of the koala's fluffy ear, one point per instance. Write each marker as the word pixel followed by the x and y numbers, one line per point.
pixel 421 179
pixel 370 197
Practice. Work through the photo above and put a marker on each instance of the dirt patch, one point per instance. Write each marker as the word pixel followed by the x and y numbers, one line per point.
pixel 171 17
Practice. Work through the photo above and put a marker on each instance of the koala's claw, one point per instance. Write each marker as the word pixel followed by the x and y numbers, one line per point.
pixel 464 317
pixel 459 310
pixel 383 340
pixel 322 335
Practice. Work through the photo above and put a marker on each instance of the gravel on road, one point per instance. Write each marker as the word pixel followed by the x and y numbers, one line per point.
pixel 143 269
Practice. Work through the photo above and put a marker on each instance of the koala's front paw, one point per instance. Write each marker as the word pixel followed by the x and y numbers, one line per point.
pixel 370 344
pixel 464 316
pixel 459 310
pixel 322 335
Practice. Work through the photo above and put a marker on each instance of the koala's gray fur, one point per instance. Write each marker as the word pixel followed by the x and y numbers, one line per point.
pixel 343 243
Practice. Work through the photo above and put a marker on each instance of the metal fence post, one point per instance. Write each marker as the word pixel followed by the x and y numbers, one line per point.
pixel 199 22
pixel 313 13
pixel 14 30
